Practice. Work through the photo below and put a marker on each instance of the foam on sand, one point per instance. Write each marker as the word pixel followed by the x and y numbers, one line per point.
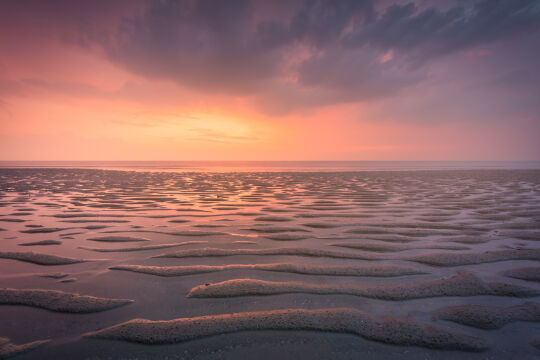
pixel 40 259
pixel 117 239
pixel 528 273
pixel 376 271
pixel 42 242
pixel 448 259
pixel 399 331
pixel 462 284
pixel 490 317
pixel 8 349
pixel 210 252
pixel 144 247
pixel 60 301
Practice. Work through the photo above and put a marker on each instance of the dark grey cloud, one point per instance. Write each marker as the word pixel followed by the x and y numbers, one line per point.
pixel 311 52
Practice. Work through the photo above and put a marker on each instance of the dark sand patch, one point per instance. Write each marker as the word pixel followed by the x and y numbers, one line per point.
pixel 272 218
pixel 8 349
pixel 462 284
pixel 209 226
pixel 40 259
pixel 527 273
pixel 144 247
pixel 43 230
pixel 54 275
pixel 12 220
pixel 393 248
pixel 96 221
pixel 535 341
pixel 95 227
pixel 178 221
pixel 276 229
pixel 60 301
pixel 69 280
pixel 117 239
pixel 399 331
pixel 490 317
pixel 373 271
pixel 211 252
pixel 286 237
pixel 445 259
pixel 42 242
pixel 466 240
pixel 320 225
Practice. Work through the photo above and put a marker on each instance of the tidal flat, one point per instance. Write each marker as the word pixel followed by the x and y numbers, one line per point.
pixel 430 264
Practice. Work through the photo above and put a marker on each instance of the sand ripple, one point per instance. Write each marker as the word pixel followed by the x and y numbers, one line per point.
pixel 60 301
pixel 400 331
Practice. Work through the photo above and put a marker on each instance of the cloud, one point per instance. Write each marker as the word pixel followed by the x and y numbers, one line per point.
pixel 283 54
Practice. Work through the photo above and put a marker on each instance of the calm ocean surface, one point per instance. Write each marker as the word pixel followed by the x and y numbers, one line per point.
pixel 274 166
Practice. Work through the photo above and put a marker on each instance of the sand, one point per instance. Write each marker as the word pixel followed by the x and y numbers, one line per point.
pixel 528 273
pixel 43 230
pixel 8 349
pixel 60 301
pixel 400 331
pixel 143 247
pixel 535 341
pixel 42 242
pixel 490 317
pixel 393 248
pixel 40 259
pixel 117 239
pixel 374 271
pixel 448 259
pixel 388 244
pixel 462 284
pixel 212 252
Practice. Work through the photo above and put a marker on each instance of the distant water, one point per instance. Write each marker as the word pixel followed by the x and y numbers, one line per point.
pixel 274 166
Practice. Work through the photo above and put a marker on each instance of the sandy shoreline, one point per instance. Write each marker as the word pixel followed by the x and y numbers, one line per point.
pixel 435 264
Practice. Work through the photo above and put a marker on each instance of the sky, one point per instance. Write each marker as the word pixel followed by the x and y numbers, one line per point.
pixel 270 80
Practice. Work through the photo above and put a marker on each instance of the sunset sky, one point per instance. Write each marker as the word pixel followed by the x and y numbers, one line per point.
pixel 270 80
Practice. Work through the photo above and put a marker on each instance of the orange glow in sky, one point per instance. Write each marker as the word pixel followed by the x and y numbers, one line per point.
pixel 73 88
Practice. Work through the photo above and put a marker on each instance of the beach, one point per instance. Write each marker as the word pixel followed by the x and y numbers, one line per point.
pixel 336 263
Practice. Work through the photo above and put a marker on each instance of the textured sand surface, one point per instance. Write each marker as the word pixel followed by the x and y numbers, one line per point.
pixel 8 349
pixel 143 247
pixel 392 331
pixel 462 284
pixel 446 259
pixel 40 259
pixel 490 317
pixel 58 300
pixel 375 271
pixel 396 251
pixel 528 273
pixel 209 252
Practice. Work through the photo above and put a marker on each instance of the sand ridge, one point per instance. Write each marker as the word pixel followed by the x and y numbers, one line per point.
pixel 399 331
pixel 375 271
pixel 40 259
pixel 8 349
pixel 461 284
pixel 209 252
pixel 527 273
pixel 56 300
pixel 490 317
pixel 143 247
pixel 449 259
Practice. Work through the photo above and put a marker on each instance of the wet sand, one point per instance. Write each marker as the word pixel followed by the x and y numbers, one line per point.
pixel 372 265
